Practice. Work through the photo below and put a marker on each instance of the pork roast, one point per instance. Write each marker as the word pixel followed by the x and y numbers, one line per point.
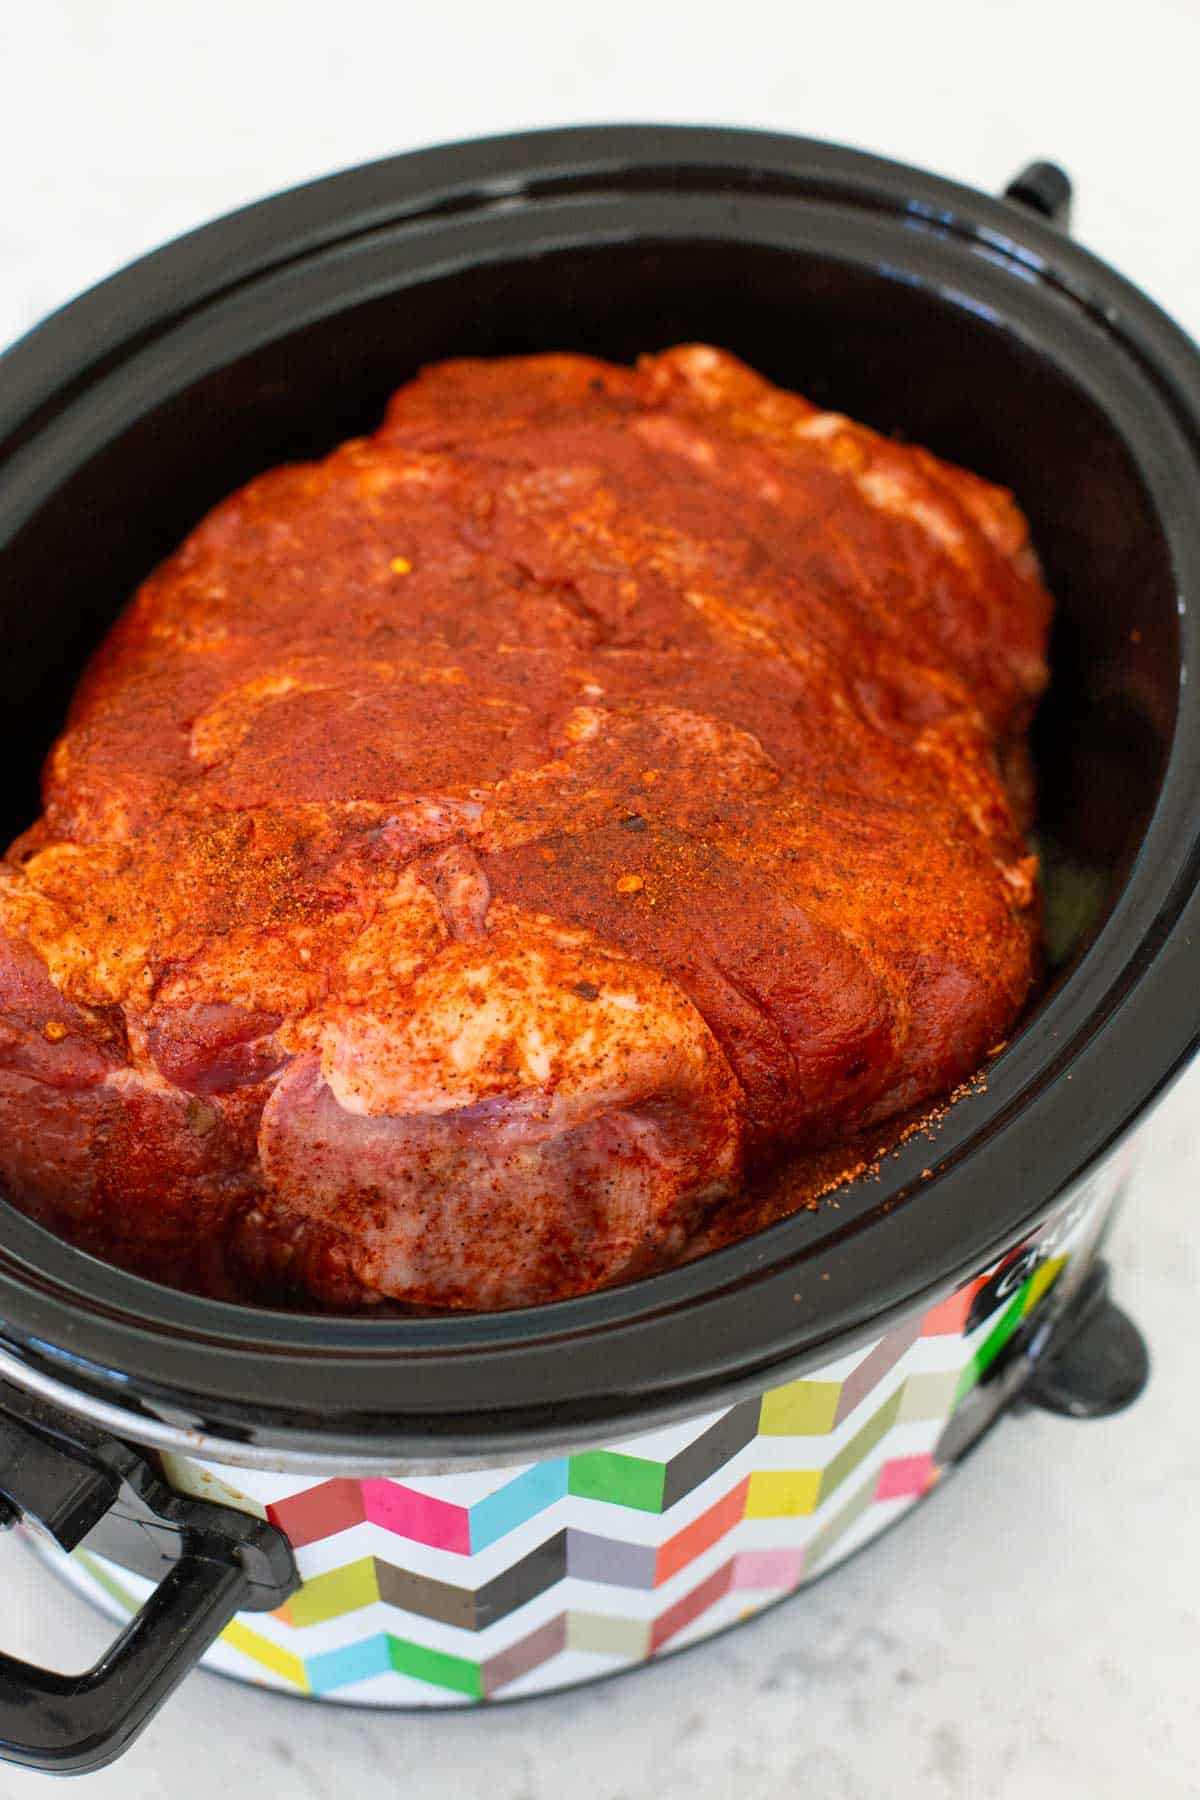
pixel 471 853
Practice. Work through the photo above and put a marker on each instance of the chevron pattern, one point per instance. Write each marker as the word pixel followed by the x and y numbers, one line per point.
pixel 506 1581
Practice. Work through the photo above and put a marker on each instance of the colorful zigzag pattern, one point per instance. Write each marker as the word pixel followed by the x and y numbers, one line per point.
pixel 470 1585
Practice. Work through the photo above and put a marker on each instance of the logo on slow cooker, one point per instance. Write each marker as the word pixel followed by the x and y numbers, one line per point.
pixel 1023 1262
pixel 1007 1280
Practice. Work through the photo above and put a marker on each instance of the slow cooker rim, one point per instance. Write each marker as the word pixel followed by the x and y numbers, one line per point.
pixel 1161 355
pixel 143 297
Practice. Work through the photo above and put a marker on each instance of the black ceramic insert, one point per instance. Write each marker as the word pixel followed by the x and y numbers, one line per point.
pixel 970 324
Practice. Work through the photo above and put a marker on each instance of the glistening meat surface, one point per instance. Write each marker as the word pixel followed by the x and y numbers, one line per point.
pixel 472 853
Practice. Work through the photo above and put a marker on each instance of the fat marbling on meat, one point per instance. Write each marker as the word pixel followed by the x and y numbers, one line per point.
pixel 470 853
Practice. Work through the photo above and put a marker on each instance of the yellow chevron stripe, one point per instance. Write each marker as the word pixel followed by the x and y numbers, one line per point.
pixel 782 1493
pixel 261 1650
pixel 800 1409
pixel 1041 1280
pixel 329 1596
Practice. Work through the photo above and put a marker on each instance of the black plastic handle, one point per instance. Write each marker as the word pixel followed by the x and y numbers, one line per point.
pixel 1044 188
pixel 64 1476
pixel 1093 1360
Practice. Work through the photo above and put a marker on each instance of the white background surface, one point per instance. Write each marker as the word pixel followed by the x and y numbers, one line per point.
pixel 1034 1632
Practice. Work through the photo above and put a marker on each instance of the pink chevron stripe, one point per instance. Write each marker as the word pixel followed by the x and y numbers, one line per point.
pixel 905 1475
pixel 417 1516
pixel 767 1569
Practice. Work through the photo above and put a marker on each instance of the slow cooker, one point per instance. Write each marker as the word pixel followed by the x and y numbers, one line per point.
pixel 445 1510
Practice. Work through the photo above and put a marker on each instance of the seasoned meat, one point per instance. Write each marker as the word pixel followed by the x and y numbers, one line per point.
pixel 470 854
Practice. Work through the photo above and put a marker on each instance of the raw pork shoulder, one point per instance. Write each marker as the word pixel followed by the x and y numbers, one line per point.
pixel 470 853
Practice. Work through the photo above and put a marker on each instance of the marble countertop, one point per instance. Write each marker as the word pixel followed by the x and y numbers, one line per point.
pixel 1033 1631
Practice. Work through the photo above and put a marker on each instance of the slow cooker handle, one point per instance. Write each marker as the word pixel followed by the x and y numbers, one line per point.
pixel 1090 1360
pixel 1044 188
pixel 66 1478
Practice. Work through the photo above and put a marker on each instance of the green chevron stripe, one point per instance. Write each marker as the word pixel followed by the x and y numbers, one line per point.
pixel 622 1480
pixel 860 1445
pixel 112 1587
pixel 631 1481
pixel 435 1666
pixel 995 1341
pixel 837 1527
